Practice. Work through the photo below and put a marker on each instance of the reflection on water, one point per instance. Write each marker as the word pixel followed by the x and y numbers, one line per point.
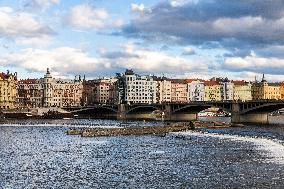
pixel 44 157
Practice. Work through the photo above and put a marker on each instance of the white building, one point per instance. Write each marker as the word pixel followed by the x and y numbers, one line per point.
pixel 196 90
pixel 164 90
pixel 227 90
pixel 139 89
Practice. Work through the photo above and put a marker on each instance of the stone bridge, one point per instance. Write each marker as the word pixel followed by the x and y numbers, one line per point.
pixel 242 112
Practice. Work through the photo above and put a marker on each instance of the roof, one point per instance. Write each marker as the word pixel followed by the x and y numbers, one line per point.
pixel 191 80
pixel 181 81
pixel 6 76
pixel 274 84
pixel 240 82
pixel 28 81
pixel 210 83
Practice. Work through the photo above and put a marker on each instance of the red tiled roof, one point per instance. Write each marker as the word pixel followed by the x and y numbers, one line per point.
pixel 181 81
pixel 238 82
pixel 210 83
pixel 27 81
pixel 191 80
pixel 6 76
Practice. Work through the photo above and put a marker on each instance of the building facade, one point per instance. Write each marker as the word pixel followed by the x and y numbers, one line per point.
pixel 242 91
pixel 212 91
pixel 179 91
pixel 282 90
pixel 100 91
pixel 164 94
pixel 136 89
pixel 50 92
pixel 227 90
pixel 266 91
pixel 8 92
pixel 196 90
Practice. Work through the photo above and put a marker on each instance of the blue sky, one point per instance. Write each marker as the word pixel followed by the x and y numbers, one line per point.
pixel 177 38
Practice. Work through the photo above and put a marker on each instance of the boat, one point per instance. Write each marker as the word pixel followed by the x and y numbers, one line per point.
pixel 206 114
pixel 53 114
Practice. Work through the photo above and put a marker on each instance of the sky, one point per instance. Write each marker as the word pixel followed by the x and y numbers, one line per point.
pixel 238 39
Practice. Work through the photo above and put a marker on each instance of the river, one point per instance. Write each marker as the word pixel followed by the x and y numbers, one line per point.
pixel 38 154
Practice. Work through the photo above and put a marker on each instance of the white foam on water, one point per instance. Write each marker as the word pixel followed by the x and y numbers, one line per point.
pixel 58 125
pixel 98 142
pixel 157 152
pixel 271 148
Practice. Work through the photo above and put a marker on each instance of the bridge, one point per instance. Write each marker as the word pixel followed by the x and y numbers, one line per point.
pixel 242 112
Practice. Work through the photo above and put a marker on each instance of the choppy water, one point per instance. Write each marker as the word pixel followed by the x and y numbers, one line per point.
pixel 42 156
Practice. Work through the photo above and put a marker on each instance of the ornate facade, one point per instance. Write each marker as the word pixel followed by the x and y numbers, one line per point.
pixel 50 92
pixel 8 92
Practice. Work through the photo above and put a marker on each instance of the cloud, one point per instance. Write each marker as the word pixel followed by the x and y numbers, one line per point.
pixel 17 24
pixel 150 61
pixel 188 51
pixel 86 17
pixel 41 41
pixel 256 64
pixel 64 60
pixel 137 7
pixel 233 23
pixel 40 4
pixel 140 8
pixel 69 61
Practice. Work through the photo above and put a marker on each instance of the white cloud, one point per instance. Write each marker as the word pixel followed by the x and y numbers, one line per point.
pixel 85 16
pixel 188 51
pixel 250 62
pixel 148 60
pixel 66 60
pixel 137 7
pixel 62 60
pixel 42 41
pixel 21 24
pixel 178 3
pixel 256 64
pixel 140 8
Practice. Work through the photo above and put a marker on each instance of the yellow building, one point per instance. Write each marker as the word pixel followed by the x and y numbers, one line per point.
pixel 212 91
pixel 266 91
pixel 282 90
pixel 8 92
pixel 242 91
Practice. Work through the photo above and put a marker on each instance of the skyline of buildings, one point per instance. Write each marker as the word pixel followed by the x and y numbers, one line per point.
pixel 128 88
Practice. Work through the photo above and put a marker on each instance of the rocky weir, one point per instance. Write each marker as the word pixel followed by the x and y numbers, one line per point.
pixel 144 130
pixel 124 131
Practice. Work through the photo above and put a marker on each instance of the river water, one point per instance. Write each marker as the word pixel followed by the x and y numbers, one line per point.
pixel 38 154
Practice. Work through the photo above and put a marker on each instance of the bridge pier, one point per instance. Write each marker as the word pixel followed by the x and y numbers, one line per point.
pixel 256 118
pixel 184 117
pixel 170 116
pixel 121 114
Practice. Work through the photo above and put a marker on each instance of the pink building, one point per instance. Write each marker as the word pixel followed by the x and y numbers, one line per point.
pixel 179 91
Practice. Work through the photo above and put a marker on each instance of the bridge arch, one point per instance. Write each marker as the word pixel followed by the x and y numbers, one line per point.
pixel 193 108
pixel 93 108
pixel 141 108
pixel 267 108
